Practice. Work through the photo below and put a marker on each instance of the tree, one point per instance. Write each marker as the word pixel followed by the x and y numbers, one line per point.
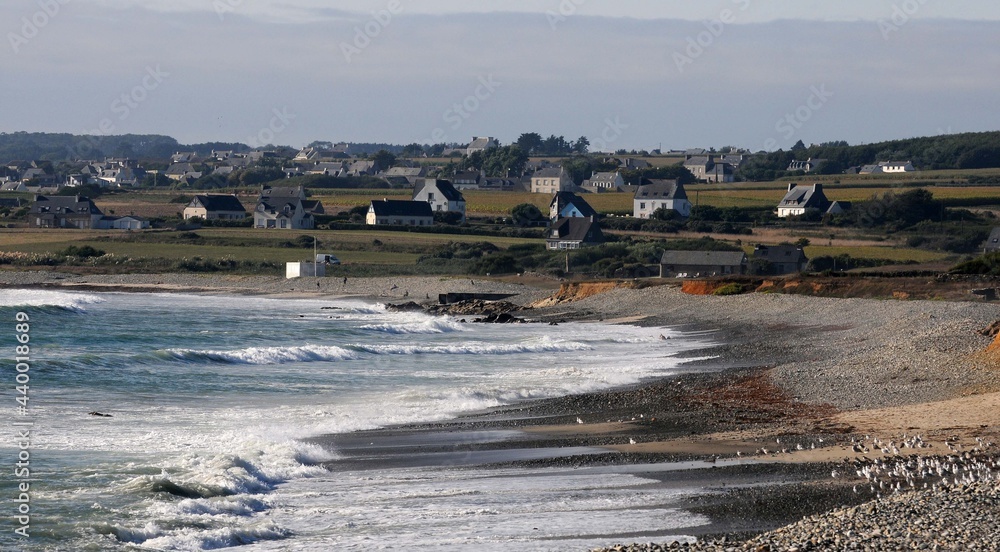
pixel 156 179
pixel 497 162
pixel 799 146
pixel 582 145
pixel 412 150
pixel 529 142
pixel 525 214
pixel 579 168
pixel 383 159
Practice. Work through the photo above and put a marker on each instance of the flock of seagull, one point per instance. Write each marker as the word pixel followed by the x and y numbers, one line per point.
pixel 902 468
pixel 896 472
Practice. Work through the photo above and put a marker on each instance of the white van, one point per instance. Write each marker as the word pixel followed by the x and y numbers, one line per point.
pixel 327 258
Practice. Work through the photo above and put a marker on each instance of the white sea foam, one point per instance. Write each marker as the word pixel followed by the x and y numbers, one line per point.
pixel 156 536
pixel 75 302
pixel 477 348
pixel 266 355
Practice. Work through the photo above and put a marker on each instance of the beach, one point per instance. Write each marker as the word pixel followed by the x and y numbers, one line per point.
pixel 797 389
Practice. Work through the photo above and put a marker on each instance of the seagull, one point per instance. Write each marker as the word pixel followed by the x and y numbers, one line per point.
pixel 578 420
pixel 631 441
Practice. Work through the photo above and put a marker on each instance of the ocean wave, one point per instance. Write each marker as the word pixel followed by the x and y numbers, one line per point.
pixel 264 355
pixel 160 536
pixel 476 348
pixel 433 326
pixel 45 300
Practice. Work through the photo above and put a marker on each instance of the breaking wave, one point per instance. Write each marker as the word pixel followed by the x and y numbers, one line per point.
pixel 265 355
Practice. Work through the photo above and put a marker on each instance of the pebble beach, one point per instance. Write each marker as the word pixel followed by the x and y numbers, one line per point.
pixel 860 373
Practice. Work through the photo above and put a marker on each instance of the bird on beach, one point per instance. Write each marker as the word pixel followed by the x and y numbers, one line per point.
pixel 631 441
pixel 579 420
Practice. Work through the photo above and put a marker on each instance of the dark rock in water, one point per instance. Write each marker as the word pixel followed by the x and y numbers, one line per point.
pixel 99 414
pixel 501 318
pixel 409 306
pixel 484 308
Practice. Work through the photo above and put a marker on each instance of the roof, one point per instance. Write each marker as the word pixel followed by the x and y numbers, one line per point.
pixel 660 189
pixel 400 208
pixel 549 172
pixel 480 142
pixel 405 171
pixel 809 198
pixel 561 200
pixel 780 253
pixel 297 192
pixel 218 202
pixel 180 168
pixel 445 187
pixel 703 258
pixel 576 229
pixel 698 161
pixel 607 177
pixel 65 205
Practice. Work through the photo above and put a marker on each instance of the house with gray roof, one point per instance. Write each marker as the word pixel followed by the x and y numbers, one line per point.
pixel 660 194
pixel 481 143
pixel 776 260
pixel 604 182
pixel 707 169
pixel 64 212
pixel 808 166
pixel 800 198
pixel 283 208
pixel 551 180
pixel 400 213
pixel 574 233
pixel 441 196
pixel 182 172
pixel 568 205
pixel 689 264
pixel 215 207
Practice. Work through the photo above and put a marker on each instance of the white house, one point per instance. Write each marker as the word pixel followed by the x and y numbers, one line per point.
pixel 123 223
pixel 441 196
pixel 215 207
pixel 604 182
pixel 799 198
pixel 896 167
pixel 660 194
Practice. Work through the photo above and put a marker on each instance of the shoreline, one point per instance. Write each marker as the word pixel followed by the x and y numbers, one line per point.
pixel 790 371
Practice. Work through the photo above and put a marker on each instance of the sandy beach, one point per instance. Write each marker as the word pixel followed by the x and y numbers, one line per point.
pixel 801 389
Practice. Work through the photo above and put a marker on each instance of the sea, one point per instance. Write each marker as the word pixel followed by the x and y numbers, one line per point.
pixel 209 405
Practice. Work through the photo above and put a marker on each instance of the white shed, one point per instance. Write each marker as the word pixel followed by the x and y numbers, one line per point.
pixel 300 269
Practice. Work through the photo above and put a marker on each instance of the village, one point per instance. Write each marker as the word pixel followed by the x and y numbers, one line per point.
pixel 291 190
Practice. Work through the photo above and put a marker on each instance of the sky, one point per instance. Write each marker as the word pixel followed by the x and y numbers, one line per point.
pixel 628 74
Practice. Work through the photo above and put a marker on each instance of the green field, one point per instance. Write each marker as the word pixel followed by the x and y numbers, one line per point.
pixel 352 247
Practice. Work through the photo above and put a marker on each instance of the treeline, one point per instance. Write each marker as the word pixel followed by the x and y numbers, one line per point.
pixel 976 150
pixel 64 147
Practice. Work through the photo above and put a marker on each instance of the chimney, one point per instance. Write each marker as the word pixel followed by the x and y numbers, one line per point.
pixel 791 186
pixel 817 187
